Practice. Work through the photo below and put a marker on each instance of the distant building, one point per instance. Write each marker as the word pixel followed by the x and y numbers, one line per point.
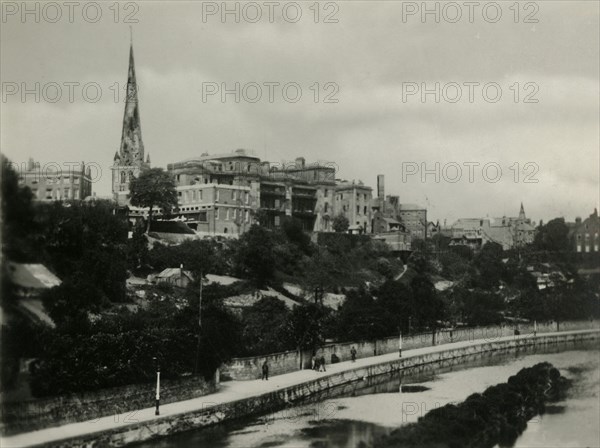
pixel 414 218
pixel 585 235
pixel 353 200
pixel 55 183
pixel 507 231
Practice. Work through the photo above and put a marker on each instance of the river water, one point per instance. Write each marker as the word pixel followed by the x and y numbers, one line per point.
pixel 356 415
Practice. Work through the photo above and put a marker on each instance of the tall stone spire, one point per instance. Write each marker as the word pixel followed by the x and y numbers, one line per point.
pixel 132 146
pixel 522 212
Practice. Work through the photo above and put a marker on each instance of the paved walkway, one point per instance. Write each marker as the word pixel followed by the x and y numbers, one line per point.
pixel 229 391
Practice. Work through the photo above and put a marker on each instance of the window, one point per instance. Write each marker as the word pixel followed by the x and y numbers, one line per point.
pixel 247 216
pixel 227 215
pixel 217 198
pixel 365 210
pixel 326 207
pixel 326 193
pixel 216 213
pixel 76 194
pixel 247 198
pixel 358 209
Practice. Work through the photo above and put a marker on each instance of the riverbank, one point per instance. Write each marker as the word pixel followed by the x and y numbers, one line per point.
pixel 239 399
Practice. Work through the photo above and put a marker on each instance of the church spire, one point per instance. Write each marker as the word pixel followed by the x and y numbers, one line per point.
pixel 132 147
pixel 522 212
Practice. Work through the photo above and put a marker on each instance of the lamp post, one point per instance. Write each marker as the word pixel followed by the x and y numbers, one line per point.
pixel 400 343
pixel 157 412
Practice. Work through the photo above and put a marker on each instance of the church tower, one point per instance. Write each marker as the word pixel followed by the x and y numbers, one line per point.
pixel 129 160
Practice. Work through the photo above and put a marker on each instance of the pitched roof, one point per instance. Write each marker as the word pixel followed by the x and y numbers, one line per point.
pixel 173 272
pixel 34 275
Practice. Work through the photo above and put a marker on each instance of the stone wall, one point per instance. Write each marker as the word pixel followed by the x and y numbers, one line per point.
pixel 285 398
pixel 55 411
pixel 242 369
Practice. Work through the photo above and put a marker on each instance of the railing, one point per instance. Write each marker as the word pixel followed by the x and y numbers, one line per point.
pixel 249 368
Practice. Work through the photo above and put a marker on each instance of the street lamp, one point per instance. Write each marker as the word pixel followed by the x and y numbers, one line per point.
pixel 400 346
pixel 157 412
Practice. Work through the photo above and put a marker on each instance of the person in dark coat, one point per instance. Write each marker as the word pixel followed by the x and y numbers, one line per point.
pixel 322 364
pixel 265 371
pixel 353 354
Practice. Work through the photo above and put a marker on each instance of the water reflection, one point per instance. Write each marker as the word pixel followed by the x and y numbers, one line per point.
pixel 357 414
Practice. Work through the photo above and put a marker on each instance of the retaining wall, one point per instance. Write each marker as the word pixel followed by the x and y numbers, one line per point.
pixel 250 368
pixel 285 397
pixel 56 411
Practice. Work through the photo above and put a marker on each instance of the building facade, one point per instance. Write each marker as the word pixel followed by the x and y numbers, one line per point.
pixel 53 183
pixel 354 201
pixel 586 234
pixel 509 232
pixel 414 218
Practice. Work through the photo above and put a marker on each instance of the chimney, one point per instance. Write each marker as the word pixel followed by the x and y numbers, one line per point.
pixel 300 162
pixel 578 220
pixel 380 186
pixel 30 164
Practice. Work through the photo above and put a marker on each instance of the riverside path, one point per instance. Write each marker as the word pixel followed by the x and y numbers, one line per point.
pixel 230 392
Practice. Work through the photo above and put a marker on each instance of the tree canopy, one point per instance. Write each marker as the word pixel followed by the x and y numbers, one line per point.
pixel 154 188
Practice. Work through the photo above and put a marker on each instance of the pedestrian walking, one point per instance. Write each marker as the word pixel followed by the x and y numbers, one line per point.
pixel 314 362
pixel 353 354
pixel 322 364
pixel 265 371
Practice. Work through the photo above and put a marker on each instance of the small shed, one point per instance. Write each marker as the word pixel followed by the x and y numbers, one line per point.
pixel 175 276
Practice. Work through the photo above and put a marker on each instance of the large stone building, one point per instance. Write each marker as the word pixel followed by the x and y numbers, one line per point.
pixel 54 183
pixel 586 235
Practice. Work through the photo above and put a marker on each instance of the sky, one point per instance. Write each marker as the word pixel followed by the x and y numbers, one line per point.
pixel 466 112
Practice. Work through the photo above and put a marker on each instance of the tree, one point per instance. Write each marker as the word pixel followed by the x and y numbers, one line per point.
pixel 17 216
pixel 69 304
pixel 427 307
pixel 265 327
pixel 361 318
pixel 489 265
pixel 395 300
pixel 553 236
pixel 340 223
pixel 308 324
pixel 154 188
pixel 255 258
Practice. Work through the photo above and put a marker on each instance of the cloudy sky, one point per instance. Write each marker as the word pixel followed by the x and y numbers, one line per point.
pixel 377 56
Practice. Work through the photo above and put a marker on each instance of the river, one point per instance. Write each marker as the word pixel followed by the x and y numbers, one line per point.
pixel 356 415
